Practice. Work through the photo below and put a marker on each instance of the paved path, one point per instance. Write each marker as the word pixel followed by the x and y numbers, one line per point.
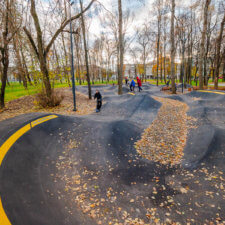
pixel 41 161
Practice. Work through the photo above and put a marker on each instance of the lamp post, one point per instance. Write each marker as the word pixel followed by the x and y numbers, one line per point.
pixel 72 62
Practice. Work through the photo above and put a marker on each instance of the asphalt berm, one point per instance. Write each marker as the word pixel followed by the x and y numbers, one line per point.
pixel 85 169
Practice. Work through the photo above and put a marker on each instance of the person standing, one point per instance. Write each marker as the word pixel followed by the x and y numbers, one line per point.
pixel 132 85
pixel 139 84
pixel 126 80
pixel 98 96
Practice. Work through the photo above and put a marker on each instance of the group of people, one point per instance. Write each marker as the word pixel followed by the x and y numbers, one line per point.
pixel 132 84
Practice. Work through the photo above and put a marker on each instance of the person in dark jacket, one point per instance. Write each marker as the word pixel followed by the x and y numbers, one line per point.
pixel 132 85
pixel 139 84
pixel 168 83
pixel 126 80
pixel 98 96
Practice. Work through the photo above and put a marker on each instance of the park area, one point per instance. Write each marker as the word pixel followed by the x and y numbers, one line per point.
pixel 147 158
pixel 112 112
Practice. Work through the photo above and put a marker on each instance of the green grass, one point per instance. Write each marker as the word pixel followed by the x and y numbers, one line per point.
pixel 16 90
pixel 155 82
pixel 193 83
pixel 98 82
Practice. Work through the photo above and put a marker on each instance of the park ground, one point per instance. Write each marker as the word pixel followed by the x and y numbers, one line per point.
pixel 16 90
pixel 146 158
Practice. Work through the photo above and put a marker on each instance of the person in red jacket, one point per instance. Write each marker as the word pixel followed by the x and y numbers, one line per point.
pixel 139 84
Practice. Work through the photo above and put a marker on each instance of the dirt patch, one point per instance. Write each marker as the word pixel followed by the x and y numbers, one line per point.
pixel 166 137
pixel 28 104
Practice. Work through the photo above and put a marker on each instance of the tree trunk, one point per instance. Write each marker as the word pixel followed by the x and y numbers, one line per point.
pixel 164 60
pixel 25 66
pixel 157 69
pixel 202 46
pixel 19 63
pixel 189 63
pixel 65 65
pixel 161 65
pixel 41 53
pixel 224 65
pixel 218 46
pixel 121 48
pixel 76 40
pixel 5 62
pixel 86 51
pixel 58 70
pixel 206 56
pixel 172 48
pixel 183 63
pixel 144 66
pixel 5 56
pixel 196 70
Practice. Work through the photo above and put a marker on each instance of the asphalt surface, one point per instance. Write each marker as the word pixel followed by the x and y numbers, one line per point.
pixel 37 171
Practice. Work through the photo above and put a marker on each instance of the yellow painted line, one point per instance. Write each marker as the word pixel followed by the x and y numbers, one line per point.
pixel 6 147
pixel 11 140
pixel 214 92
pixel 42 120
pixel 3 218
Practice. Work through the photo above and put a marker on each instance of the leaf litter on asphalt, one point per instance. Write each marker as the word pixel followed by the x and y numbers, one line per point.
pixel 164 140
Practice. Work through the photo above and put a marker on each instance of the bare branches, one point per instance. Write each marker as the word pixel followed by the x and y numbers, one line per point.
pixel 31 40
pixel 73 32
pixel 63 25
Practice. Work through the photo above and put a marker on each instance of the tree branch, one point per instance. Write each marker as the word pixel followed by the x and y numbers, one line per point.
pixel 38 28
pixel 63 25
pixel 12 35
pixel 73 32
pixel 31 41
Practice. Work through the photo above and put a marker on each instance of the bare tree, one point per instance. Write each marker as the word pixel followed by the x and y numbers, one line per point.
pixel 85 50
pixel 19 61
pixel 202 46
pixel 10 28
pixel 159 19
pixel 39 48
pixel 218 57
pixel 120 48
pixel 143 39
pixel 172 47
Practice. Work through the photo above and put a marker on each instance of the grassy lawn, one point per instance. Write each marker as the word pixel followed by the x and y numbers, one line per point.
pixel 193 83
pixel 16 90
pixel 152 81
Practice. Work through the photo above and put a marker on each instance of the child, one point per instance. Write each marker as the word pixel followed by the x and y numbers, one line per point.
pixel 99 101
pixel 126 80
pixel 132 85
pixel 139 84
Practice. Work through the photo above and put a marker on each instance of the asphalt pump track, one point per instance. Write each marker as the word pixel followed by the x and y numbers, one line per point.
pixel 33 192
